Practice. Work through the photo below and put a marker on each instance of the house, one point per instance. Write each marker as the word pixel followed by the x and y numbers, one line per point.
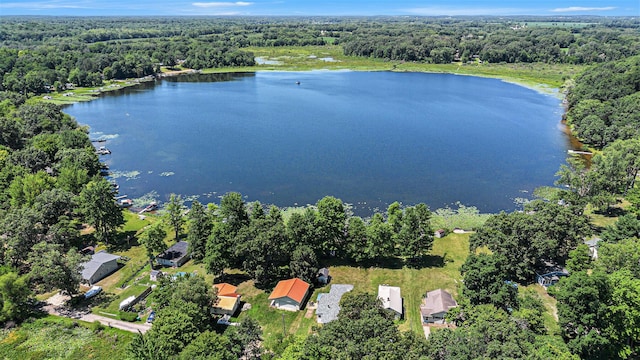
pixel 550 274
pixel 175 256
pixel 227 301
pixel 440 233
pixel 289 294
pixel 391 299
pixel 101 264
pixel 154 275
pixel 323 276
pixel 435 305
pixel 329 304
pixel 593 247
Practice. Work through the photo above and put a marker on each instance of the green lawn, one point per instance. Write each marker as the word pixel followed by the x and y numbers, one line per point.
pixel 60 338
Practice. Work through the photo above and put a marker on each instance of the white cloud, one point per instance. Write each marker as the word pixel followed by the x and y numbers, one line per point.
pixel 458 11
pixel 221 4
pixel 582 8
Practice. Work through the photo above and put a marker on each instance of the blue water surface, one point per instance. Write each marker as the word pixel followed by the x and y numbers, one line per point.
pixel 368 138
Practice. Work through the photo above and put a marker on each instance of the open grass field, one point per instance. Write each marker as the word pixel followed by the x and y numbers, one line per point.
pixel 543 77
pixel 60 338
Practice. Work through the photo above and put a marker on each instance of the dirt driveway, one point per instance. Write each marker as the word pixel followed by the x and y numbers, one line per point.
pixel 55 306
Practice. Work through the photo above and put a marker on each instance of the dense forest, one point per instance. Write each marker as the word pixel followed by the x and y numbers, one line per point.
pixel 51 189
pixel 39 55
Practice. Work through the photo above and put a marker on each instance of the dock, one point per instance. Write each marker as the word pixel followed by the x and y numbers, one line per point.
pixel 579 152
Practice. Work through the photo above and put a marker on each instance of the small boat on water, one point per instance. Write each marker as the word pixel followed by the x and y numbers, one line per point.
pixel 103 151
pixel 297 82
pixel 125 203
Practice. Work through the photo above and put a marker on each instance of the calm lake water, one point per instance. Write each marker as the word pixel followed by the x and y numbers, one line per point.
pixel 369 138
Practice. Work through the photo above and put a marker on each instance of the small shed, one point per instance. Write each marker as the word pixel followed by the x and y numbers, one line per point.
pixel 289 294
pixel 101 264
pixel 435 305
pixel 175 256
pixel 440 233
pixel 154 275
pixel 593 247
pixel 323 276
pixel 391 299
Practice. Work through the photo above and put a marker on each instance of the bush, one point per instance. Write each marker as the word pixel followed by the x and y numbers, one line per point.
pixel 96 327
pixel 128 316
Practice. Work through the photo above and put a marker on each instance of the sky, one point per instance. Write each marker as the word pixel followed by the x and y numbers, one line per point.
pixel 320 7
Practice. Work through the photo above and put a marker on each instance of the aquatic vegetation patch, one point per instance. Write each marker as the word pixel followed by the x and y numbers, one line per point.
pixel 129 175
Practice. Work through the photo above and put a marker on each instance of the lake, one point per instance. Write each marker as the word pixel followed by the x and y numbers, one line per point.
pixel 368 138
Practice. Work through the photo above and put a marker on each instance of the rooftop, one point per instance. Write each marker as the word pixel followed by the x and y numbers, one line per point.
pixel 175 252
pixel 294 289
pixel 329 304
pixel 437 301
pixel 391 297
pixel 225 289
pixel 97 259
pixel 226 302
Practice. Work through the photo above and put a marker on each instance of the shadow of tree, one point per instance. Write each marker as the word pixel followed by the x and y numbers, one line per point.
pixel 233 279
pixel 123 241
pixel 426 261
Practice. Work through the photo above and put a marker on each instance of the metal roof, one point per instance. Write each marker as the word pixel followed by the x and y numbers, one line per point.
pixel 97 259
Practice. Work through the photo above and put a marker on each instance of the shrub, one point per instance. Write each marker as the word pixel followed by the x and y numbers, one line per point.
pixel 128 316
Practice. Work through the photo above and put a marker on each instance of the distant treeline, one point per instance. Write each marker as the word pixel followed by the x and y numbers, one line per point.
pixel 42 54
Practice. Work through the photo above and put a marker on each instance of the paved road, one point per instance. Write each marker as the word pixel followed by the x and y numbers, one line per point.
pixel 85 315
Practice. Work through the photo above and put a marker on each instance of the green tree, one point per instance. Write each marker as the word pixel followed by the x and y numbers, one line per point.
pixel 53 269
pixel 357 240
pixel 330 224
pixel 619 256
pixel 208 345
pixel 487 282
pixel 15 294
pixel 579 259
pixel 199 226
pixel 624 314
pixel 233 212
pixel 172 331
pixel 627 226
pixel 415 236
pixel 380 239
pixel 304 264
pixel 175 210
pixel 23 228
pixel 245 339
pixel 582 312
pixel 153 241
pixel 98 208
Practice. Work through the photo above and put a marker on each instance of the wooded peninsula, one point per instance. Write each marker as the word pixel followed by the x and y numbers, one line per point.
pixel 81 275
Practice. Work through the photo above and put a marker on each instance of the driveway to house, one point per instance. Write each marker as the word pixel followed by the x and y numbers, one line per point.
pixel 55 306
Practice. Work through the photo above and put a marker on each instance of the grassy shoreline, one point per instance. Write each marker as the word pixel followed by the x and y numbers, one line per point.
pixel 544 78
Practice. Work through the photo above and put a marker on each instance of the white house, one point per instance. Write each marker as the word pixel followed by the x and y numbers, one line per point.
pixel 391 299
pixel 101 264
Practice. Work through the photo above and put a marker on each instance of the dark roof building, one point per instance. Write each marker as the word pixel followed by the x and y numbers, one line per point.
pixel 174 256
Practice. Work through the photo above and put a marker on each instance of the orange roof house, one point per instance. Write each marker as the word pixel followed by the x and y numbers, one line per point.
pixel 227 301
pixel 289 294
pixel 225 289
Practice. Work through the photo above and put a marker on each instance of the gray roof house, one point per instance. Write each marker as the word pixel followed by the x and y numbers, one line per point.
pixel 175 256
pixel 329 303
pixel 101 264
pixel 435 305
pixel 391 299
